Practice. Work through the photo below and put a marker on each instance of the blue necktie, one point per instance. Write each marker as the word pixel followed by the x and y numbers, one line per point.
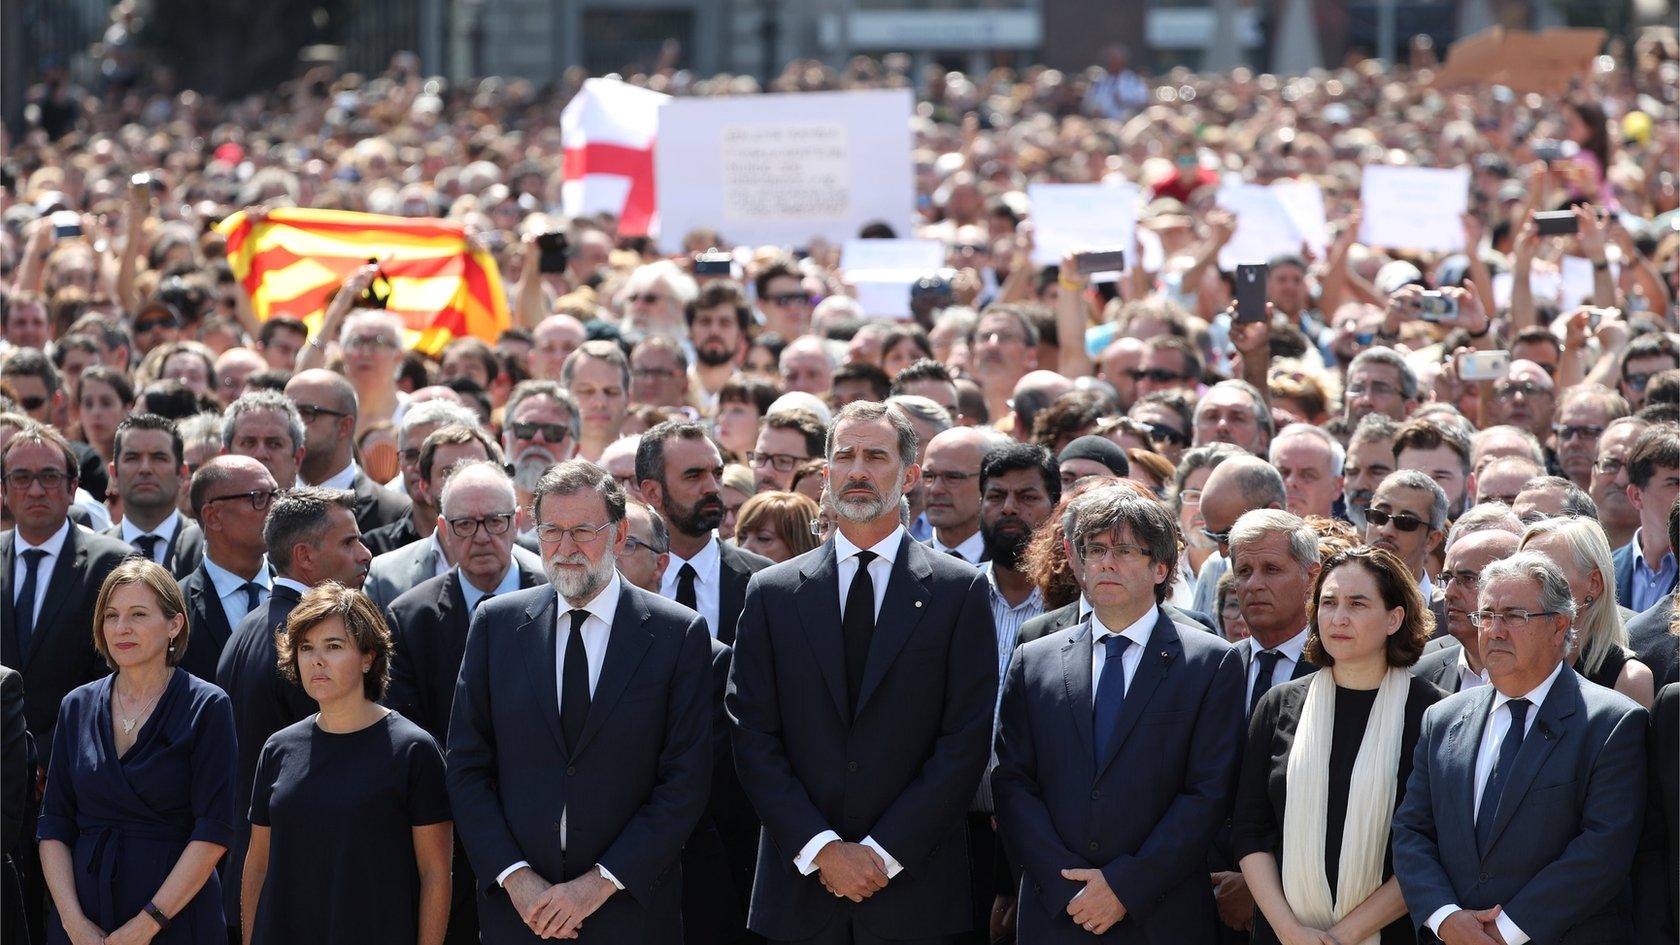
pixel 1487 813
pixel 253 595
pixel 23 612
pixel 1111 693
pixel 148 545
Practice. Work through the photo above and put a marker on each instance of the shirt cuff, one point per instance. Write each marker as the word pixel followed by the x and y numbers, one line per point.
pixel 501 878
pixel 1438 916
pixel 893 866
pixel 1508 929
pixel 609 877
pixel 806 861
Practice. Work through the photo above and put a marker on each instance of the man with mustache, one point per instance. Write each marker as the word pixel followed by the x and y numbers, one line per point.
pixel 1408 516
pixel 718 321
pixel 539 428
pixel 678 469
pixel 312 538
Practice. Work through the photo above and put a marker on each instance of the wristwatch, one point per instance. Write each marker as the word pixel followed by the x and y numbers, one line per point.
pixel 157 915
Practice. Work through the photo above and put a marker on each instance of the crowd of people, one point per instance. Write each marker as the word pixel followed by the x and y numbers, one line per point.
pixel 710 607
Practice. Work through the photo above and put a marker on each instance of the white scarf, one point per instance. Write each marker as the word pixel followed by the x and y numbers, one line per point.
pixel 1370 803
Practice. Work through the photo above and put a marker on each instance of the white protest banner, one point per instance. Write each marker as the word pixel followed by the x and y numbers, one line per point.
pixel 1082 218
pixel 783 169
pixel 1272 220
pixel 1576 276
pixel 608 133
pixel 882 271
pixel 1414 207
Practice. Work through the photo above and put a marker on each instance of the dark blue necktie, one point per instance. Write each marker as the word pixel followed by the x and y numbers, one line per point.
pixel 1487 813
pixel 1111 693
pixel 23 611
pixel 253 595
pixel 148 545
pixel 1268 660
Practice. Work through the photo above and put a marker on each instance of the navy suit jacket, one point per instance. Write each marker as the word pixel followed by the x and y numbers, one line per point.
pixel 1649 637
pixel 210 628
pixel 736 566
pixel 633 789
pixel 1147 814
pixel 185 550
pixel 902 771
pixel 1565 830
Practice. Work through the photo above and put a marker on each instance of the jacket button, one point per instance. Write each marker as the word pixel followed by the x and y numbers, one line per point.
pixel 1094 846
pixel 1483 878
pixel 556 827
pixel 571 769
pixel 1096 795
pixel 851 766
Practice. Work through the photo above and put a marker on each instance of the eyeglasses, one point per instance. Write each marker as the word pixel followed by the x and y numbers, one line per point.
pixel 1405 521
pixel 1609 467
pixel 1514 619
pixel 358 342
pixel 951 479
pixel 783 462
pixel 496 524
pixel 1160 432
pixel 155 324
pixel 581 534
pixel 789 298
pixel 19 480
pixel 1190 497
pixel 551 432
pixel 311 413
pixel 657 374
pixel 1569 431
pixel 1373 388
pixel 1469 579
pixel 648 298
pixel 1523 389
pixel 1097 551
pixel 259 499
pixel 408 457
pixel 32 404
pixel 1158 376
pixel 631 543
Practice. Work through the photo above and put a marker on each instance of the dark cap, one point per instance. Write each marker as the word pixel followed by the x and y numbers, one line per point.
pixel 1100 449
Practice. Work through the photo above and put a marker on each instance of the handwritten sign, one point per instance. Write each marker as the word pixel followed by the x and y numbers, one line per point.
pixel 1414 207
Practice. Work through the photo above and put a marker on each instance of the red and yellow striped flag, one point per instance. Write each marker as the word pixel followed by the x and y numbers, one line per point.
pixel 441 286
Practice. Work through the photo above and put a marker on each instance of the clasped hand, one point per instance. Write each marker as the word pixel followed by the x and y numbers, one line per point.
pixel 851 870
pixel 1094 908
pixel 558 910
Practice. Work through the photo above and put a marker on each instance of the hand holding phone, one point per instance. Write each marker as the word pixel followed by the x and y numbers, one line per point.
pixel 1483 365
pixel 1251 292
pixel 1087 264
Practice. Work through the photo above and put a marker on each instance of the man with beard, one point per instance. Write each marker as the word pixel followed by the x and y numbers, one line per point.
pixel 1408 516
pixel 539 428
pixel 718 320
pixel 678 469
pixel 147 468
pixel 580 746
pixel 861 701
pixel 1370 458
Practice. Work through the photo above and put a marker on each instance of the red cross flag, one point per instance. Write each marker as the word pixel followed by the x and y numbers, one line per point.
pixel 608 132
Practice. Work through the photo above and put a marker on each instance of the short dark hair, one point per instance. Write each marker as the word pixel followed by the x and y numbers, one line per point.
pixel 1538 334
pixel 1192 368
pixel 453 433
pixel 362 622
pixel 1659 445
pixel 170 398
pixel 279 323
pixel 1029 328
pixel 110 377
pixel 880 386
pixel 299 517
pixel 578 475
pixel 42 434
pixel 922 369
pixel 598 349
pixel 31 362
pixel 720 292
pixel 1069 414
pixel 1112 507
pixel 776 270
pixel 479 351
pixel 1398 589
pixel 868 411
pixel 1650 345
pixel 147 421
pixel 650 449
pixel 1015 456
pixel 742 389
pixel 1425 433
pixel 802 422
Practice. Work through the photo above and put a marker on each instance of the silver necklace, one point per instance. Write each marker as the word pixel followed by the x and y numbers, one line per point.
pixel 127 723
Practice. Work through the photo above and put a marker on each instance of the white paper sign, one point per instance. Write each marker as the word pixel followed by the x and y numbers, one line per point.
pixel 1577 281
pixel 1272 220
pixel 1082 218
pixel 882 271
pixel 783 169
pixel 1414 207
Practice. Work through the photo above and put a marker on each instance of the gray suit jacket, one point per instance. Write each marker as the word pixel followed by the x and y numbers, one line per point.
pixel 395 573
pixel 1564 834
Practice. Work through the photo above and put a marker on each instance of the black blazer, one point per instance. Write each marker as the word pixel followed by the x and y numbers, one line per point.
pixel 1440 667
pixel 60 655
pixel 17 792
pixel 632 791
pixel 735 567
pixel 186 547
pixel 1657 872
pixel 1145 814
pixel 376 505
pixel 428 636
pixel 391 537
pixel 903 771
pixel 1066 616
pixel 210 628
pixel 1650 640
pixel 714 906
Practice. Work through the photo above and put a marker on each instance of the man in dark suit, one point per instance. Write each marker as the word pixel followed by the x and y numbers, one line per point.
pixel 312 537
pixel 17 794
pixel 418 422
pixel 1648 633
pixel 149 470
pixel 580 742
pixel 230 496
pixel 1458 665
pixel 1645 566
pixel 951 488
pixel 1526 797
pixel 678 469
pixel 266 426
pixel 327 403
pixel 1111 818
pixel 861 702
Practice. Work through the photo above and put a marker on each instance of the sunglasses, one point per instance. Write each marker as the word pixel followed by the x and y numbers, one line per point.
pixel 789 298
pixel 551 432
pixel 32 404
pixel 1160 432
pixel 155 324
pixel 1406 521
pixel 311 413
pixel 1157 375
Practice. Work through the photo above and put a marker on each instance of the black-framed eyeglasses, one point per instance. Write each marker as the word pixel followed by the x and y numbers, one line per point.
pixel 789 298
pixel 1157 376
pixel 259 498
pixel 19 480
pixel 1405 521
pixel 631 543
pixel 1218 538
pixel 311 413
pixel 1521 388
pixel 783 462
pixel 1159 432
pixel 1484 619
pixel 1564 431
pixel 1097 551
pixel 581 534
pixel 496 524
pixel 1609 467
pixel 155 324
pixel 408 457
pixel 1469 579
pixel 551 432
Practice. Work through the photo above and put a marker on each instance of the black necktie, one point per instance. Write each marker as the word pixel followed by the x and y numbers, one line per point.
pixel 1487 813
pixel 857 626
pixel 24 611
pixel 1268 665
pixel 955 554
pixel 685 586
pixel 253 595
pixel 148 545
pixel 1111 693
pixel 574 683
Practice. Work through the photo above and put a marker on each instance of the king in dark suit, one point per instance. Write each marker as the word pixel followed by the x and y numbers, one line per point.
pixel 1117 747
pixel 861 699
pixel 580 741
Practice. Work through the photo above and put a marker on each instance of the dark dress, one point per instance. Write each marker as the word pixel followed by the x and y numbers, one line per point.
pixel 341 809
pixel 128 819
pixel 1257 823
pixel 1608 671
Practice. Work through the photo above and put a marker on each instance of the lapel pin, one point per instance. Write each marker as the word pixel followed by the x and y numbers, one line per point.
pixel 918 603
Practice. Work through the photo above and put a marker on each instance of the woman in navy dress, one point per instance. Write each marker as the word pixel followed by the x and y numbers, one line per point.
pixel 139 804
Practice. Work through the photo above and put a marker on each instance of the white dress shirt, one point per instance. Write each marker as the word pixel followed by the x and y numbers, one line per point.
pixel 1285 670
pixel 1467 677
pixel 970 548
pixel 509 584
pixel 1493 736
pixel 845 554
pixel 230 589
pixel 708 567
pixel 440 561
pixel 343 479
pixel 165 530
pixel 1138 633
pixel 53 546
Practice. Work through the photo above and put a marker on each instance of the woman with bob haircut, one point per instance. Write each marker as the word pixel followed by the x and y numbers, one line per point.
pixel 139 804
pixel 777 525
pixel 1327 761
pixel 350 826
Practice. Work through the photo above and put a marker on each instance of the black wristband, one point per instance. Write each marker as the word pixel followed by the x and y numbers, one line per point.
pixel 1601 265
pixel 1483 333
pixel 157 915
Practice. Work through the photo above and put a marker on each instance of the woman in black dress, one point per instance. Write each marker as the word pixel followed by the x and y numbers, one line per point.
pixel 1327 760
pixel 350 823
pixel 1601 655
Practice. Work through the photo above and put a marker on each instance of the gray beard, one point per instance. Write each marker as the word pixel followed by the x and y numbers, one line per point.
pixel 579 588
pixel 858 511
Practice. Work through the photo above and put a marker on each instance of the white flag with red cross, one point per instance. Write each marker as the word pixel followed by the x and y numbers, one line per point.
pixel 608 132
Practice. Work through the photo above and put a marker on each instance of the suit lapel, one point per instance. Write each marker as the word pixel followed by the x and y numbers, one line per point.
pixel 818 603
pixel 732 592
pixel 1076 682
pixel 454 619
pixel 1458 754
pixel 539 662
pixel 1548 729
pixel 1153 663
pixel 527 577
pixel 1303 667
pixel 61 588
pixel 1067 617
pixel 8 641
pixel 626 645
pixel 207 602
pixel 901 611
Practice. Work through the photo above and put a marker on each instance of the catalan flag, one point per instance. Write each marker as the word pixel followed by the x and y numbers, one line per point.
pixel 442 287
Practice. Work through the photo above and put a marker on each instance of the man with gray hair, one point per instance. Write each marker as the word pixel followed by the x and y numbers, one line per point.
pixel 419 421
pixel 1526 798
pixel 266 426
pixel 1236 412
pixel 1379 381
pixel 1310 461
pixel 1546 497
pixel 540 427
pixel 1408 516
pixel 929 420
pixel 1481 536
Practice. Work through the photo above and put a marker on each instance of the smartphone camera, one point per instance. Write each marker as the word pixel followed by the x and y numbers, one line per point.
pixel 713 262
pixel 552 252
pixel 1437 307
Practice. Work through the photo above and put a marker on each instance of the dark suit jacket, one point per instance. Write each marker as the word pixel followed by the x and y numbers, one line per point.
pixel 391 537
pixel 1064 617
pixel 985 552
pixel 902 771
pixel 1440 666
pixel 208 622
pixel 428 636
pixel 376 505
pixel 1657 876
pixel 1565 830
pixel 735 567
pixel 1624 558
pixel 632 791
pixel 17 793
pixel 1649 637
pixel 1145 815
pixel 186 547
pixel 60 655
pixel 714 891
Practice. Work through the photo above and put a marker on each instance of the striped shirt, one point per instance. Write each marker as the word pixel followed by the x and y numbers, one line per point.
pixel 1008 619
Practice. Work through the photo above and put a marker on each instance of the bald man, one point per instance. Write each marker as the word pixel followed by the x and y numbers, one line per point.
pixel 229 497
pixel 327 403
pixel 1237 486
pixel 1035 391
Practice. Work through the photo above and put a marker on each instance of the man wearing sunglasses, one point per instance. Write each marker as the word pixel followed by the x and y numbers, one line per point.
pixel 1408 516
pixel 229 496
pixel 1646 357
pixel 540 427
pixel 328 404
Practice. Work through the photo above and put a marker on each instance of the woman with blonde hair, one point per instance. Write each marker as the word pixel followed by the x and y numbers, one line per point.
pixel 1600 654
pixel 777 525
